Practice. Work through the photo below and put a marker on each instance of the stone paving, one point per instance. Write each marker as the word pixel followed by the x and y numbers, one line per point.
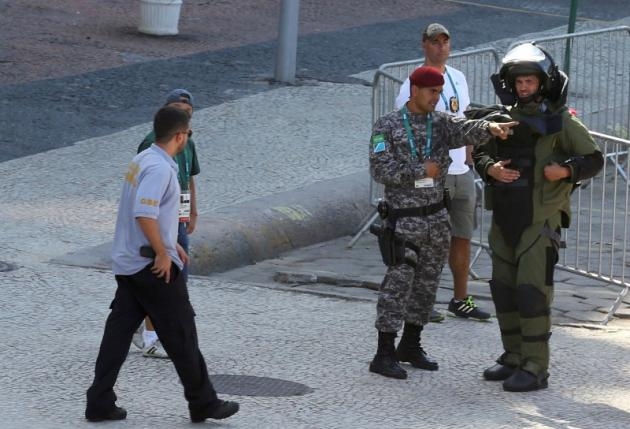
pixel 52 315
pixel 282 149
pixel 52 330
pixel 76 69
pixel 335 269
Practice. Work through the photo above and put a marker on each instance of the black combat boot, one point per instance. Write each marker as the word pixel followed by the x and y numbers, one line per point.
pixel 500 371
pixel 409 349
pixel 385 362
pixel 525 381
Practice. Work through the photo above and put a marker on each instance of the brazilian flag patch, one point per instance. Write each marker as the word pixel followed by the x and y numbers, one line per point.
pixel 378 143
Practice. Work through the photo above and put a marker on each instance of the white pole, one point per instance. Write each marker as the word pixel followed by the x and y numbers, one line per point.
pixel 287 41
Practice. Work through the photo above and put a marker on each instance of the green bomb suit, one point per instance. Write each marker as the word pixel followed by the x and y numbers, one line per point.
pixel 525 234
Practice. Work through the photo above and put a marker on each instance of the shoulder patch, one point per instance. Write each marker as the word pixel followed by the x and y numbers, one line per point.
pixel 378 143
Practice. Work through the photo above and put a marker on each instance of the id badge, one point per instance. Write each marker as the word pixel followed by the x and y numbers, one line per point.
pixel 453 104
pixel 427 182
pixel 184 207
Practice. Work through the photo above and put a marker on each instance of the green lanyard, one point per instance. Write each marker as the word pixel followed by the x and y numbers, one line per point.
pixel 184 175
pixel 447 106
pixel 410 137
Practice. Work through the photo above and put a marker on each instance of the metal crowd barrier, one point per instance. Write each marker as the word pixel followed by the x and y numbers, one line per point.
pixel 599 90
pixel 597 241
pixel 599 86
pixel 599 76
pixel 477 65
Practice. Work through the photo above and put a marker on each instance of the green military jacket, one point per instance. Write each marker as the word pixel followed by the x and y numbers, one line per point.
pixel 549 198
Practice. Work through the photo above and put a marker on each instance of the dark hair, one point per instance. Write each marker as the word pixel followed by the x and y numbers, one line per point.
pixel 169 120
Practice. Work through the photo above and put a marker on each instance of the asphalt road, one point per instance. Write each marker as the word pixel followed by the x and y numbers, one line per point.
pixel 41 115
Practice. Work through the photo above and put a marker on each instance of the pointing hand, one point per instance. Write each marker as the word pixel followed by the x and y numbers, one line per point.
pixel 501 129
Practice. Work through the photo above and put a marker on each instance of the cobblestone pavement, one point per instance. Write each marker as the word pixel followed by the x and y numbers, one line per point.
pixel 52 315
pixel 76 69
pixel 333 268
pixel 282 149
pixel 70 37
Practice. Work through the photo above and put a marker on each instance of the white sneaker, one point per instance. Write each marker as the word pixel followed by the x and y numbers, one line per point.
pixel 137 337
pixel 155 350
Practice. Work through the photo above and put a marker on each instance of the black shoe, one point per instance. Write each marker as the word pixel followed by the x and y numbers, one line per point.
pixel 221 410
pixel 417 358
pixel 387 366
pixel 525 381
pixel 467 309
pixel 116 413
pixel 499 372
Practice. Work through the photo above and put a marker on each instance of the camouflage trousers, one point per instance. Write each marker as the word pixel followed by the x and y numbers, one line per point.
pixel 407 293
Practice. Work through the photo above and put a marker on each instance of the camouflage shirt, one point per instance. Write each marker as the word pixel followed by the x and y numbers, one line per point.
pixel 391 162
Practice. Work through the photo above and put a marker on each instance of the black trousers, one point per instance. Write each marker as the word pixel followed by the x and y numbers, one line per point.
pixel 168 306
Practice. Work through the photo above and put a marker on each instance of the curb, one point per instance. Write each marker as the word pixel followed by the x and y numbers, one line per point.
pixel 243 234
pixel 263 228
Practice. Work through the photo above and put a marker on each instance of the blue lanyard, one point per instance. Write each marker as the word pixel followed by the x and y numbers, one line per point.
pixel 410 137
pixel 446 103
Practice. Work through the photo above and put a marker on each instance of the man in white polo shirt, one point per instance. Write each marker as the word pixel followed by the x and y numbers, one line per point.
pixel 148 264
pixel 436 44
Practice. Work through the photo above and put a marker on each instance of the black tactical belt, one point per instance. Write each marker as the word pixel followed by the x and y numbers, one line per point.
pixel 416 211
pixel 391 245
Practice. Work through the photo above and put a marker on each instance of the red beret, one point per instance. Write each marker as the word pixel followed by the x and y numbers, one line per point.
pixel 426 76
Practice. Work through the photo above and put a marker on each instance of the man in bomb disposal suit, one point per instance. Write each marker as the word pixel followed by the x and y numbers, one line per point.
pixel 409 154
pixel 529 179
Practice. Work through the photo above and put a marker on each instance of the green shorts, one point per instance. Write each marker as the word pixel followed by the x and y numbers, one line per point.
pixel 461 189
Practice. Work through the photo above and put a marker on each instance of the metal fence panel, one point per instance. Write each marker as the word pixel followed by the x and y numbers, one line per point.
pixel 597 240
pixel 599 76
pixel 477 66
pixel 599 89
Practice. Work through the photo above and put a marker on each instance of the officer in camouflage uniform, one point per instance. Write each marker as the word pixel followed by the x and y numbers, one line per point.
pixel 409 154
pixel 529 181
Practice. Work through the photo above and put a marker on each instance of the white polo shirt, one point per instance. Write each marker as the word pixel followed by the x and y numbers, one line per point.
pixel 151 190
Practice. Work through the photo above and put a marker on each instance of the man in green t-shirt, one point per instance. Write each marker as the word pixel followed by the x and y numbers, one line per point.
pixel 188 165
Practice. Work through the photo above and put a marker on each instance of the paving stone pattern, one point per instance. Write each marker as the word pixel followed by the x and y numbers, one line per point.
pixel 325 343
pixel 52 315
